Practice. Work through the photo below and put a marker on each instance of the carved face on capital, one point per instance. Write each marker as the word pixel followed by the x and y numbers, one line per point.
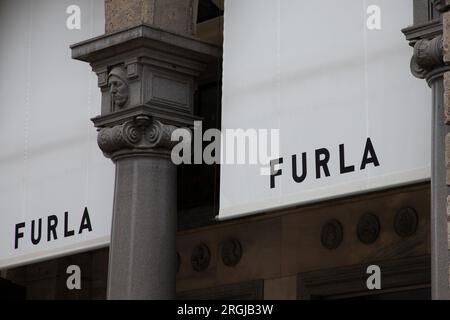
pixel 118 88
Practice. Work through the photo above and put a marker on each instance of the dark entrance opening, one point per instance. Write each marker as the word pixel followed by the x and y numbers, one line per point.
pixel 401 279
pixel 11 291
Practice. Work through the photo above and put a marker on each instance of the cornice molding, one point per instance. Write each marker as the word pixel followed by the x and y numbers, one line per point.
pixel 422 31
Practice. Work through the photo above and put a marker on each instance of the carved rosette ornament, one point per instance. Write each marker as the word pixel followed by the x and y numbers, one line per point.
pixel 141 134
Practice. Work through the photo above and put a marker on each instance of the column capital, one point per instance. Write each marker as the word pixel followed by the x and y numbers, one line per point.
pixel 141 136
pixel 427 61
pixel 428 40
pixel 148 78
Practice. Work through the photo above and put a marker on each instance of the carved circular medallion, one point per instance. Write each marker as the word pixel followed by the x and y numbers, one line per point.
pixel 201 257
pixel 231 252
pixel 368 228
pixel 332 234
pixel 406 222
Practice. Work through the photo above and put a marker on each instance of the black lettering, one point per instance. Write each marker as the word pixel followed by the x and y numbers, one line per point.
pixel 344 169
pixel 52 223
pixel 36 240
pixel 273 172
pixel 322 163
pixel 67 233
pixel 294 168
pixel 369 156
pixel 18 234
pixel 85 222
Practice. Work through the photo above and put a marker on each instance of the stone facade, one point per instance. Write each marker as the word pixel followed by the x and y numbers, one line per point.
pixel 177 16
pixel 281 256
pixel 289 254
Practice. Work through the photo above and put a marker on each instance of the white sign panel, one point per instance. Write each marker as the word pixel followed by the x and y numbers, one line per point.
pixel 333 77
pixel 56 187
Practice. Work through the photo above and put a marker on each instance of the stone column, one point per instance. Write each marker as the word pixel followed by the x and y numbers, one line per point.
pixel 428 63
pixel 147 77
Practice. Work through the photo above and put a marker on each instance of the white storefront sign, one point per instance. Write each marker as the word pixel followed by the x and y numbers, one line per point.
pixel 56 187
pixel 333 77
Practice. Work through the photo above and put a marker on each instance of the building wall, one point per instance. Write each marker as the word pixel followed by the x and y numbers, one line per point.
pixel 278 250
pixel 276 255
pixel 278 247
